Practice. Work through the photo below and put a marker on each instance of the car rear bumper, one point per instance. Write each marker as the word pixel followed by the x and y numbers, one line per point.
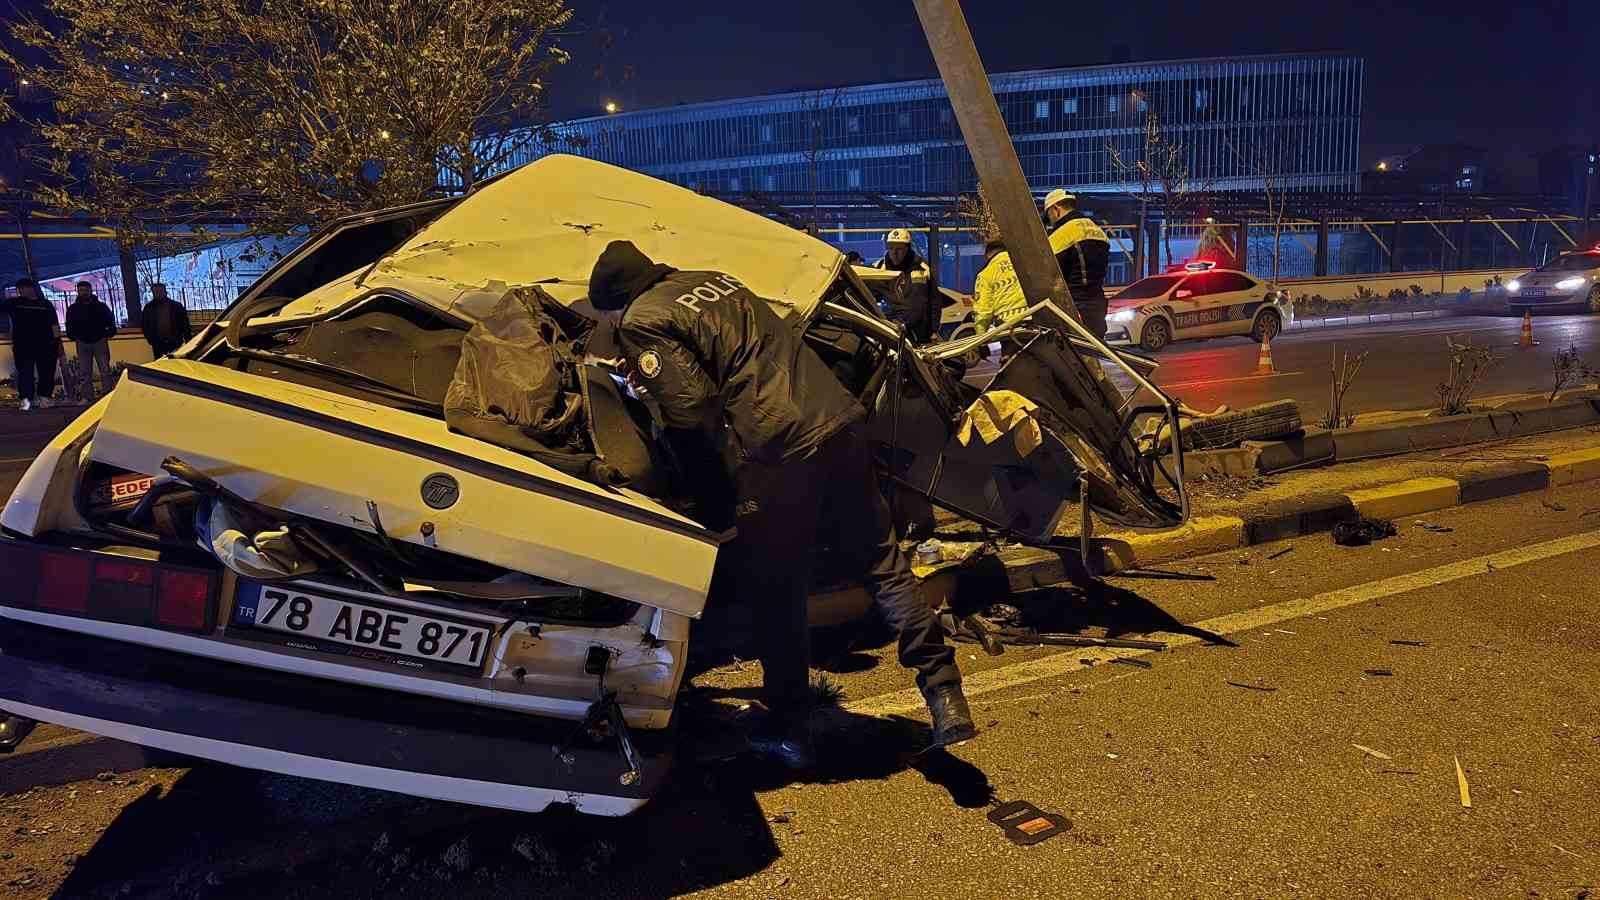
pixel 311 728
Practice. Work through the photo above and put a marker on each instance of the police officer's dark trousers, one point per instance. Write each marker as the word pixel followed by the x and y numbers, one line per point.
pixel 1090 299
pixel 778 521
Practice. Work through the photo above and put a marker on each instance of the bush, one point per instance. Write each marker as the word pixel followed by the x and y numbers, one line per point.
pixel 1416 290
pixel 1365 293
pixel 1397 295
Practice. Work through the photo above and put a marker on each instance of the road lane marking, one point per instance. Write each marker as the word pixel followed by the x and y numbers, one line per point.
pixel 1066 663
pixel 1211 381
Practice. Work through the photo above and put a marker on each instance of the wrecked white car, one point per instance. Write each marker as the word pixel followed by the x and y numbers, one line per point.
pixel 301 545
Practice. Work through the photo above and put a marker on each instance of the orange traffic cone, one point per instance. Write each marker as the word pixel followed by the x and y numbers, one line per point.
pixel 1527 329
pixel 1264 361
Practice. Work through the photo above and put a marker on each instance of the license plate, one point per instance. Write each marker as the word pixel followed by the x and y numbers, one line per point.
pixel 1534 292
pixel 317 621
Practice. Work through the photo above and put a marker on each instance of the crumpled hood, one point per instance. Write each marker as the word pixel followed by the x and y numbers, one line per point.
pixel 547 222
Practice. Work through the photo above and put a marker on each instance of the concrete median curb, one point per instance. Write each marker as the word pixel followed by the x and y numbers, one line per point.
pixel 1119 551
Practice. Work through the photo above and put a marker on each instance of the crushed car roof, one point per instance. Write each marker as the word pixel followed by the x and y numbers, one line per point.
pixel 547 222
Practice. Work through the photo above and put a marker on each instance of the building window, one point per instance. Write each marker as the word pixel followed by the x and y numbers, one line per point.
pixel 1202 97
pixel 853 124
pixel 769 182
pixel 945 114
pixel 1041 110
pixel 853 178
pixel 766 133
pixel 903 121
pixel 734 184
pixel 1070 106
pixel 1112 102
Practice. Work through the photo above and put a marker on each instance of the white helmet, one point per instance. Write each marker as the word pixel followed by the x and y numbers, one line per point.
pixel 1059 196
pixel 898 236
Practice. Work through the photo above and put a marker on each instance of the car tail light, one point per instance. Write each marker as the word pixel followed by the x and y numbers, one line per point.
pixel 107 587
pixel 63 583
pixel 184 600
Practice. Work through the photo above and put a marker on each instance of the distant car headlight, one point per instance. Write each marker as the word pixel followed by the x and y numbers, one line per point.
pixel 1571 284
pixel 1124 316
pixel 1513 285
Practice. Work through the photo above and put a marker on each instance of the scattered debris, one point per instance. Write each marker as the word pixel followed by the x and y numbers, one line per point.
pixel 1569 852
pixel 1130 661
pixel 1252 687
pixel 1362 532
pixel 1461 783
pixel 1436 529
pixel 1409 643
pixel 1283 631
pixel 1284 552
pixel 1026 824
pixel 458 856
pixel 1549 504
pixel 1589 512
pixel 826 692
pixel 535 850
pixel 1384 673
pixel 1376 754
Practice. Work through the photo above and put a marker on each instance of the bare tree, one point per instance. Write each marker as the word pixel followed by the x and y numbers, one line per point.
pixel 1159 165
pixel 815 110
pixel 1271 158
pixel 282 112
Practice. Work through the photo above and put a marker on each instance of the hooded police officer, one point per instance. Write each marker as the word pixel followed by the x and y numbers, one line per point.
pixel 716 358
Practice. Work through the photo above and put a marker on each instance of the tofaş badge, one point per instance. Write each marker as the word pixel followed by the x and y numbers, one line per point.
pixel 120 491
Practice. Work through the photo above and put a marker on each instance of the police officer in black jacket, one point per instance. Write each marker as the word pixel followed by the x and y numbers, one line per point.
pixel 718 360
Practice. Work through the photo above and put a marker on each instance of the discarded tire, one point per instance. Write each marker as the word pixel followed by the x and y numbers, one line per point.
pixel 1278 419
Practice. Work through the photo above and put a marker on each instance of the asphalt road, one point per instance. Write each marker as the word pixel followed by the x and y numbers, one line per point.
pixel 1405 363
pixel 1272 756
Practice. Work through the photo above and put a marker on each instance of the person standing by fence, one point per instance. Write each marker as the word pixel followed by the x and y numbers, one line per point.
pixel 165 322
pixel 91 325
pixel 35 343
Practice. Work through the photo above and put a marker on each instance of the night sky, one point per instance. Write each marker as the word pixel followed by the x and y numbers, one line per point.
pixel 1513 77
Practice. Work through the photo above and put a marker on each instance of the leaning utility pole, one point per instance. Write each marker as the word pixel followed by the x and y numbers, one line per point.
pixel 999 170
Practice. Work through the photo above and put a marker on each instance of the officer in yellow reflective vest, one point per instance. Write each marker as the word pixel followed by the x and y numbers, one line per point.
pixel 1082 250
pixel 997 296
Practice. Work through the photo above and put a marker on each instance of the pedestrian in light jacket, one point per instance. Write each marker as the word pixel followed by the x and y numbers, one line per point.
pixel 90 326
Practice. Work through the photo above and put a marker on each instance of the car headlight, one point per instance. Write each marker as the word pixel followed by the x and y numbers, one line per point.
pixel 1569 284
pixel 1513 285
pixel 1123 316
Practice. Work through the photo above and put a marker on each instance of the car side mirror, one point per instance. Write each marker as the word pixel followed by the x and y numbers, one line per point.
pixel 1183 295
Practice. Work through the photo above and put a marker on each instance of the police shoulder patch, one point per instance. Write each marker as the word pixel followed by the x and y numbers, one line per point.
pixel 649 364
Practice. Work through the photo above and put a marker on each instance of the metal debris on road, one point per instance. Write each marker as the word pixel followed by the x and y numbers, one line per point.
pixel 1436 529
pixel 1376 754
pixel 1361 532
pixel 1461 783
pixel 1284 552
pixel 1409 643
pixel 1252 687
pixel 1379 672
pixel 1130 661
pixel 1550 504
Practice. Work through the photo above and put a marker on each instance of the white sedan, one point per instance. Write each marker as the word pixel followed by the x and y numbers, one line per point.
pixel 1198 301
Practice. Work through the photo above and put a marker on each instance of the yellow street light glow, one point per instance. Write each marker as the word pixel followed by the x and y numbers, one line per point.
pixel 611 106
pixel 1383 167
pixel 384 134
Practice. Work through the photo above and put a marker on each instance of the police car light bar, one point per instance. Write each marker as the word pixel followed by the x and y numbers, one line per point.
pixel 1200 265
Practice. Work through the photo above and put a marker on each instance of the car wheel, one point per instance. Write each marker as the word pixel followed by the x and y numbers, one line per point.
pixel 1593 305
pixel 1267 327
pixel 1155 335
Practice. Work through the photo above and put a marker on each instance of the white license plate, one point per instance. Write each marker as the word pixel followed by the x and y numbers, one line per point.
pixel 401 636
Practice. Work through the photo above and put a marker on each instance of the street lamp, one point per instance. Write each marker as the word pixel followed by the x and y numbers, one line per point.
pixel 611 107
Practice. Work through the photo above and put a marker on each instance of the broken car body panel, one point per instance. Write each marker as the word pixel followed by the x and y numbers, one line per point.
pixel 315 403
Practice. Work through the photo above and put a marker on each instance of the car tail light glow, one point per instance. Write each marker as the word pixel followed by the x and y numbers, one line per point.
pixel 184 601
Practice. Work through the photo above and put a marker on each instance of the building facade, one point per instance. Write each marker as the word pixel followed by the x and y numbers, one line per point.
pixel 1293 118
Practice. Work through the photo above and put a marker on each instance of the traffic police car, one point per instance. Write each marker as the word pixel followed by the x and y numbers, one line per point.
pixel 1571 279
pixel 1196 300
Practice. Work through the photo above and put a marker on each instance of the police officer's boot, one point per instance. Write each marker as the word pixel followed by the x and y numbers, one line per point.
pixel 12 731
pixel 952 719
pixel 784 741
